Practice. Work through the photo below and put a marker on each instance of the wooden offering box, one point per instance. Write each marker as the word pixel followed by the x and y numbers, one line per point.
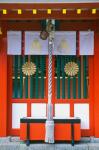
pixel 64 129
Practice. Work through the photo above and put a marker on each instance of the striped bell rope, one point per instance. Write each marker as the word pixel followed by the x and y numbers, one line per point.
pixel 49 126
pixel 50 47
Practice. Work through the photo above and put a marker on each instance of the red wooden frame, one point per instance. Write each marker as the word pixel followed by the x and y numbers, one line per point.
pixel 71 15
pixel 54 100
pixel 85 132
pixel 28 101
pixel 96 85
pixel 10 6
pixel 6 96
pixel 56 11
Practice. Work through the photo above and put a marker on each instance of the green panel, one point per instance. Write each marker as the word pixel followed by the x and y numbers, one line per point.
pixel 58 76
pixel 42 64
pixel 16 76
pixel 63 75
pixel 68 82
pixel 85 76
pixel 74 87
pixel 36 77
pixel 21 76
pixel 26 80
pixel 74 80
pixel 79 77
pixel 31 82
pixel 68 87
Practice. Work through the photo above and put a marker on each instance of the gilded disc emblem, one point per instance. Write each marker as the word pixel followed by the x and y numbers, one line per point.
pixel 29 68
pixel 71 68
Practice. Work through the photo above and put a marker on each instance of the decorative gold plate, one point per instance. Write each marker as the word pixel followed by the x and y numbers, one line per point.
pixel 29 68
pixel 71 68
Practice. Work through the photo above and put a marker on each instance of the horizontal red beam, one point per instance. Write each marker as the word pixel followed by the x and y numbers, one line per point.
pixel 63 25
pixel 71 15
pixel 48 5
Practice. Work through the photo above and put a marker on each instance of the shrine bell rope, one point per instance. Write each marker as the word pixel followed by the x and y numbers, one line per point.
pixel 49 136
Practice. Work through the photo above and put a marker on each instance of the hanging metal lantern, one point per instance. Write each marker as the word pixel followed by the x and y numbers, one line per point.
pixel 71 68
pixel 29 68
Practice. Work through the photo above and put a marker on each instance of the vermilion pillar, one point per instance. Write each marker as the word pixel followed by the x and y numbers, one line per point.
pixel 3 83
pixel 96 85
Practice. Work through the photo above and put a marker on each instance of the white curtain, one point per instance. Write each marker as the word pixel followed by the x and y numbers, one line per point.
pixel 14 40
pixel 34 45
pixel 65 43
pixel 86 43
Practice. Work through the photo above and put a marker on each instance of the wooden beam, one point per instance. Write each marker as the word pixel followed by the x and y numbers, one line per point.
pixel 70 15
pixel 48 5
pixel 64 25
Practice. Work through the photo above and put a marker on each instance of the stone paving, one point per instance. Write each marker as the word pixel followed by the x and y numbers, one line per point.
pixel 13 143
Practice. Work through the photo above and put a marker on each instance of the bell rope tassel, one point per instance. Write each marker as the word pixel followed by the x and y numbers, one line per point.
pixel 49 125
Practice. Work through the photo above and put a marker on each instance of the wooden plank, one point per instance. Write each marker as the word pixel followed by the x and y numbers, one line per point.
pixel 21 77
pixel 58 76
pixel 26 80
pixel 47 5
pixel 79 77
pixel 42 64
pixel 85 77
pixel 29 79
pixel 74 81
pixel 15 87
pixel 63 76
pixel 68 81
pixel 82 78
pixel 31 82
pixel 36 78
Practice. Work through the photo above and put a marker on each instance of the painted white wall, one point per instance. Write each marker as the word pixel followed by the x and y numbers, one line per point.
pixel 38 110
pixel 62 110
pixel 18 111
pixel 82 111
pixel 48 1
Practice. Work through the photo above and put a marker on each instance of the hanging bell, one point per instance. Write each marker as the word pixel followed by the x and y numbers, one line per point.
pixel 44 35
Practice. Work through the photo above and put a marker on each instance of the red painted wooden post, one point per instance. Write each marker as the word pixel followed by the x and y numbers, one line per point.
pixel 3 84
pixel 96 85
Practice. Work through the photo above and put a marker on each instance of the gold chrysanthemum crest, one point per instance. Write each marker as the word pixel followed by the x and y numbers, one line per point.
pixel 29 68
pixel 71 69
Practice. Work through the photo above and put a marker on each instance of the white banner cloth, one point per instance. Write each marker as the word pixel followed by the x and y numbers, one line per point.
pixel 34 45
pixel 65 43
pixel 14 40
pixel 86 43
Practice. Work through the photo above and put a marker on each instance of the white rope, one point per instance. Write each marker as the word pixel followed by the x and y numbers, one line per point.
pixel 49 136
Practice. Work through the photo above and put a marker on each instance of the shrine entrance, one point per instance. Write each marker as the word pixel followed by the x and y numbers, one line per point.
pixel 72 96
pixel 24 63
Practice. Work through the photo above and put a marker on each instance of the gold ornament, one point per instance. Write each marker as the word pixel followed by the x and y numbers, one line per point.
pixel 71 68
pixel 29 68
pixel 36 45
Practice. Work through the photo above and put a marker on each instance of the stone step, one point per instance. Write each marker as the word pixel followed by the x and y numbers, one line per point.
pixel 14 143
